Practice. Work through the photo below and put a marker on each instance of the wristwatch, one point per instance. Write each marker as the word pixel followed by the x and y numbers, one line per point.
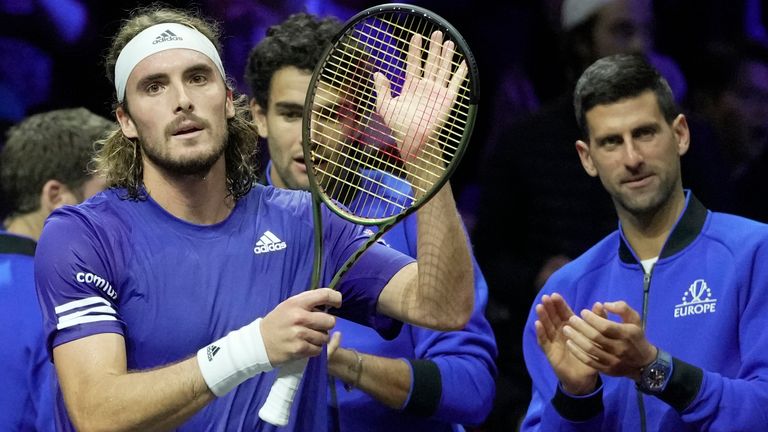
pixel 655 376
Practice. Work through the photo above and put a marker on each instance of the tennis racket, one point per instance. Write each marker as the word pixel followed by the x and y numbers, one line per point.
pixel 393 98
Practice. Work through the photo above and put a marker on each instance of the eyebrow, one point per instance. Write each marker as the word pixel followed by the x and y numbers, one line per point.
pixel 288 105
pixel 200 67
pixel 150 79
pixel 652 125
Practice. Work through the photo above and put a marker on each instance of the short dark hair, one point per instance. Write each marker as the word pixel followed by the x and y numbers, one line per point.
pixel 618 77
pixel 55 145
pixel 299 41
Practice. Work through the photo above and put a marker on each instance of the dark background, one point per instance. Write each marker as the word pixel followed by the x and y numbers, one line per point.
pixel 51 51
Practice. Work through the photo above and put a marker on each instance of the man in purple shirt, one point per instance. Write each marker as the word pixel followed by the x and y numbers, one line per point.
pixel 163 308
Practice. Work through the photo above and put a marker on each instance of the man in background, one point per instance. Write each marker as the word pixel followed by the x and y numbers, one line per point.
pixel 42 167
pixel 660 326
pixel 423 379
pixel 540 225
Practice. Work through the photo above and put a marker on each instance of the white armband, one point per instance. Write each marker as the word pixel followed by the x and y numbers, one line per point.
pixel 234 358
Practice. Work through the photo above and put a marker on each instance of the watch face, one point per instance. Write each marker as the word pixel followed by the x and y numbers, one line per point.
pixel 655 378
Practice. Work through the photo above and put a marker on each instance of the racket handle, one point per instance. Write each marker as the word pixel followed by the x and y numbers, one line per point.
pixel 277 408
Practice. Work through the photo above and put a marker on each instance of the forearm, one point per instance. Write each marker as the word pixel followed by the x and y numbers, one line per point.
pixel 444 294
pixel 386 380
pixel 159 399
pixel 102 394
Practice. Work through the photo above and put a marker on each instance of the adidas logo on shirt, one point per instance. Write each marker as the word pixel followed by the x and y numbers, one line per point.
pixel 268 243
pixel 165 37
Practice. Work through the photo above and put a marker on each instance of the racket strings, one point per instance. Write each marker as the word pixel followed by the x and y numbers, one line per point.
pixel 452 137
pixel 355 157
pixel 368 137
pixel 394 69
pixel 369 105
pixel 331 156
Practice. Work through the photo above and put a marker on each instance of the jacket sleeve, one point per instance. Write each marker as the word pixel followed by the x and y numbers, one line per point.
pixel 735 403
pixel 465 363
pixel 550 408
pixel 453 373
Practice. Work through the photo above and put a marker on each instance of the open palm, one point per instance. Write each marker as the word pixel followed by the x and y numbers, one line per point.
pixel 426 98
pixel 553 313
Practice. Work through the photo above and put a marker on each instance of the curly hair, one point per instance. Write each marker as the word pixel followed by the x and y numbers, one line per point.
pixel 299 41
pixel 119 158
pixel 55 145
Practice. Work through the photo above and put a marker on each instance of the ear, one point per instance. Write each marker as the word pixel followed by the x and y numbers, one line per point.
pixel 230 104
pixel 56 194
pixel 126 123
pixel 259 117
pixel 585 156
pixel 682 134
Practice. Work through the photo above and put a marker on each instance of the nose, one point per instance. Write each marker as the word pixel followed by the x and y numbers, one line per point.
pixel 183 101
pixel 633 159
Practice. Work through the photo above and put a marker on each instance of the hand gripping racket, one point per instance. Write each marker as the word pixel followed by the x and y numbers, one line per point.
pixel 394 96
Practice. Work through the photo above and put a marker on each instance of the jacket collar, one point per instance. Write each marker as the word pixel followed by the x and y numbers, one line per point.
pixel 685 231
pixel 12 244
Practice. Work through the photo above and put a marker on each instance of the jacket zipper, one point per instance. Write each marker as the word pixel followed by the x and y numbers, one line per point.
pixel 646 289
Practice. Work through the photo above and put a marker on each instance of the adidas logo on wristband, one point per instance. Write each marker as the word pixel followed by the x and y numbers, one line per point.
pixel 245 357
pixel 212 351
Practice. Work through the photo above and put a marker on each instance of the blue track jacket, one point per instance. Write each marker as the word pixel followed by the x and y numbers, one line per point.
pixel 707 306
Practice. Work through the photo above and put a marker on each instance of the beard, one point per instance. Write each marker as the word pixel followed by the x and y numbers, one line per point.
pixel 199 164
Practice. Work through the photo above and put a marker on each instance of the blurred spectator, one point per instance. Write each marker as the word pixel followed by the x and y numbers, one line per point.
pixel 42 167
pixel 32 35
pixel 733 96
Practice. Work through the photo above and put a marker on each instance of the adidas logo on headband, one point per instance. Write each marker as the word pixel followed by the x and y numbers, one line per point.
pixel 161 37
pixel 165 37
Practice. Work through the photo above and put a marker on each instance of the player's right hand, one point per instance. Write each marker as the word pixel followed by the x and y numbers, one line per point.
pixel 297 327
pixel 553 314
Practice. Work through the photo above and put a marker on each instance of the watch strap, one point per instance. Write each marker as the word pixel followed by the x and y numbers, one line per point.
pixel 683 386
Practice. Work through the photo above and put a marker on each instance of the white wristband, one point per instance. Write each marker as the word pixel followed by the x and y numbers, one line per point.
pixel 234 358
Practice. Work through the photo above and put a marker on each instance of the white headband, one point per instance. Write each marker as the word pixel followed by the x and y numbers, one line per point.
pixel 158 38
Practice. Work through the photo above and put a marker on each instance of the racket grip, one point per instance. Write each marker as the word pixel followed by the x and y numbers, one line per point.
pixel 277 408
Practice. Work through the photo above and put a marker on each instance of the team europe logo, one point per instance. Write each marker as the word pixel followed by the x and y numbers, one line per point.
pixel 697 300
